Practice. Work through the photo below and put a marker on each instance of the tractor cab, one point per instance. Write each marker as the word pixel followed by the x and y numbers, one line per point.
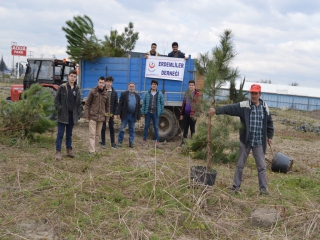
pixel 47 71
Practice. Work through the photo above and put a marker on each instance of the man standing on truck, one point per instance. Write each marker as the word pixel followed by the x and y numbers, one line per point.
pixel 152 108
pixel 129 112
pixel 176 53
pixel 257 132
pixel 68 105
pixel 95 109
pixel 190 109
pixel 153 51
pixel 113 105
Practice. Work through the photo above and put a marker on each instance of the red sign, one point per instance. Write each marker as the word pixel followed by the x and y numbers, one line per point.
pixel 18 50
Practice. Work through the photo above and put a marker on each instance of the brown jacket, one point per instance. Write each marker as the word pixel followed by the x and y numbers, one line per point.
pixel 97 105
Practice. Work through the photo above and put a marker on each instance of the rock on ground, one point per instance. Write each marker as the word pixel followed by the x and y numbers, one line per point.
pixel 264 217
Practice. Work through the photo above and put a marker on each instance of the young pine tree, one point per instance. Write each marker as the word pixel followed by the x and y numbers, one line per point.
pixel 29 115
pixel 82 41
pixel 216 67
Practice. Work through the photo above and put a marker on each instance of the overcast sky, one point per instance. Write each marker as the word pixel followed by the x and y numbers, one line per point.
pixel 277 40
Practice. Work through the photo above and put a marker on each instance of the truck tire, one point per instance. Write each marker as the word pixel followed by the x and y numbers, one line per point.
pixel 168 126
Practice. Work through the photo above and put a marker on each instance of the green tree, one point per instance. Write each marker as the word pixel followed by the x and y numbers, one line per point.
pixel 3 65
pixel 217 70
pixel 82 41
pixel 241 96
pixel 202 63
pixel 237 95
pixel 29 115
pixel 118 44
pixel 233 91
pixel 84 44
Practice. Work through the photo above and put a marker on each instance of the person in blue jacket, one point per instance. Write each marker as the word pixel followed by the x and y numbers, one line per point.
pixel 257 132
pixel 152 108
pixel 176 53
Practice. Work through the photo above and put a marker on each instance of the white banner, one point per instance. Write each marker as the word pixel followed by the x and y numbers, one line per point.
pixel 165 67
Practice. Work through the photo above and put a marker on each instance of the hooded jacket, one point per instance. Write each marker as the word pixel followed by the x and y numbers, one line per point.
pixel 243 110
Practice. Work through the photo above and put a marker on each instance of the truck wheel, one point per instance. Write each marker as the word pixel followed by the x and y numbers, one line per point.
pixel 168 126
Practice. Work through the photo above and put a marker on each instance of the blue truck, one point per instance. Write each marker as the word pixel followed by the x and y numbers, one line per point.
pixel 125 70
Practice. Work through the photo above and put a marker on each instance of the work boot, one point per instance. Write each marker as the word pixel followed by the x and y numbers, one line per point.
pixel 234 191
pixel 264 192
pixel 58 155
pixel 70 153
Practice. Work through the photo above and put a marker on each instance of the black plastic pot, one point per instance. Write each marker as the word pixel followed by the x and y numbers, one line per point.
pixel 281 163
pixel 199 176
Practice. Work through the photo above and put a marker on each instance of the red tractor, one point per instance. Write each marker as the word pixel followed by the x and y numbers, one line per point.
pixel 48 72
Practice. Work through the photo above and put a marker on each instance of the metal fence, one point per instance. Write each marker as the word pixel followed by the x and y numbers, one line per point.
pixel 283 101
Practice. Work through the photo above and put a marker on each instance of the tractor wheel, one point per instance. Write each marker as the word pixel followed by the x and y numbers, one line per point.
pixel 168 126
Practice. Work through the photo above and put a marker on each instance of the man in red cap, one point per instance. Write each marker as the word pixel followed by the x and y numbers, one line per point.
pixel 258 131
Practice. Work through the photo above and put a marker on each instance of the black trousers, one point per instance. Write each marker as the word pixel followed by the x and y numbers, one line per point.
pixel 188 122
pixel 103 131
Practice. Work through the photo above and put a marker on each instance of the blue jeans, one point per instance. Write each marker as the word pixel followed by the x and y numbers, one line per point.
pixel 68 127
pixel 130 119
pixel 155 121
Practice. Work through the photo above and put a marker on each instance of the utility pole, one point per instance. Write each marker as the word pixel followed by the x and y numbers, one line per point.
pixel 13 43
pixel 30 54
pixel 18 68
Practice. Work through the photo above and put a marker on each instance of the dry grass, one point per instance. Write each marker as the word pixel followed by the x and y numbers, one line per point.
pixel 4 92
pixel 142 194
pixel 145 193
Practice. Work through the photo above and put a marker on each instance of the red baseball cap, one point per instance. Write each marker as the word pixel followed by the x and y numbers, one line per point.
pixel 255 88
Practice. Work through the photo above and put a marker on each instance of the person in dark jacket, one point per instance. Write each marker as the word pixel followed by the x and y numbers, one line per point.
pixel 152 108
pixel 258 131
pixel 129 112
pixel 190 109
pixel 113 101
pixel 68 105
pixel 153 51
pixel 95 109
pixel 176 53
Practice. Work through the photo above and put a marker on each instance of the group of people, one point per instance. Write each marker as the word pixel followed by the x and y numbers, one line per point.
pixel 102 107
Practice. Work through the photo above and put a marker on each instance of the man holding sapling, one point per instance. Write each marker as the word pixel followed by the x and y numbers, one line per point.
pixel 258 131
